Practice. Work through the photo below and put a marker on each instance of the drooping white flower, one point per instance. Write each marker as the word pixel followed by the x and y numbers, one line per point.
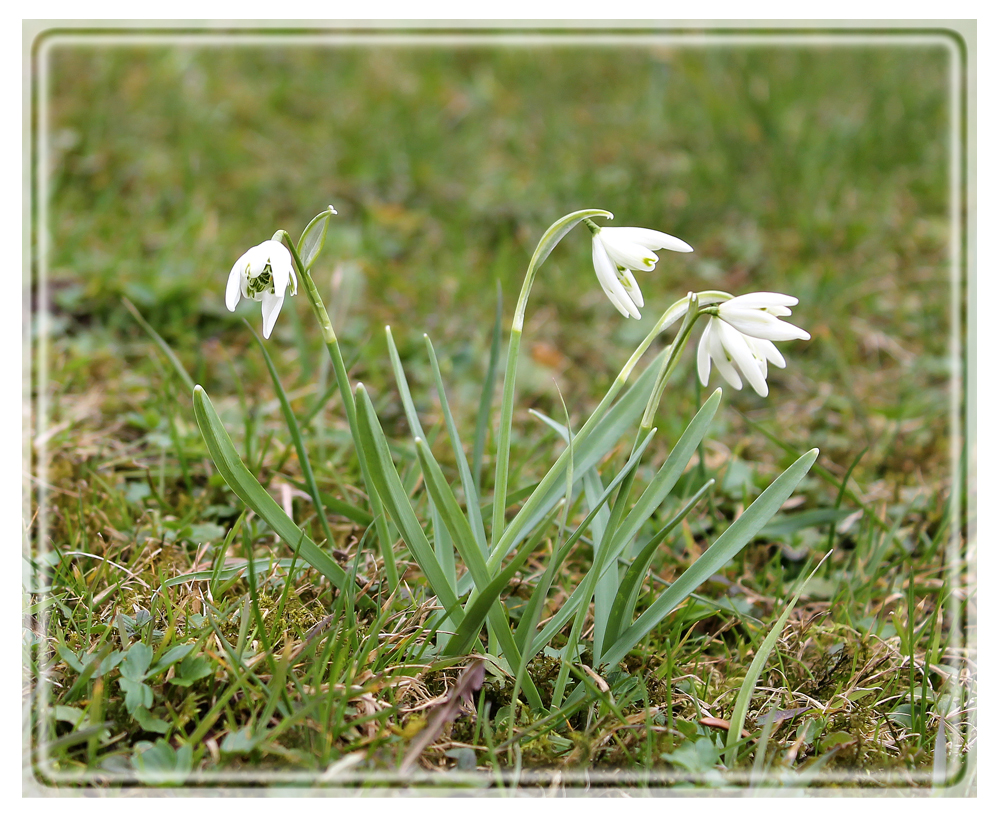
pixel 739 339
pixel 619 251
pixel 263 274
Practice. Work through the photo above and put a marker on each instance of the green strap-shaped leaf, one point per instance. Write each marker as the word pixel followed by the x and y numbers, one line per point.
pixel 486 397
pixel 477 612
pixel 628 591
pixel 468 484
pixel 468 548
pixel 561 617
pixel 390 489
pixel 672 469
pixel 590 445
pixel 753 673
pixel 716 556
pixel 658 489
pixel 249 490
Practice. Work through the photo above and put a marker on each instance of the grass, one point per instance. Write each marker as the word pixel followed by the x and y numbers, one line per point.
pixel 157 658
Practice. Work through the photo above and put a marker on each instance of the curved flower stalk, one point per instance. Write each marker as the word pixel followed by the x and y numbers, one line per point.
pixel 263 274
pixel 617 251
pixel 739 338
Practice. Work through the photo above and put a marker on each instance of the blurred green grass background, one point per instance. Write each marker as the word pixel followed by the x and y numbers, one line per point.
pixel 817 170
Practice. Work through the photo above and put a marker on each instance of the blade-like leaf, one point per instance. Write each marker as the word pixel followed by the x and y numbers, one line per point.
pixel 416 430
pixel 566 611
pixel 461 533
pixel 486 398
pixel 656 492
pixel 476 613
pixel 628 591
pixel 313 237
pixel 753 673
pixel 672 469
pixel 594 441
pixel 249 490
pixel 716 556
pixel 468 484
pixel 458 525
pixel 444 548
pixel 390 488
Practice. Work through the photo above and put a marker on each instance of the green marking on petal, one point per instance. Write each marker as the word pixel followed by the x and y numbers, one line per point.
pixel 259 284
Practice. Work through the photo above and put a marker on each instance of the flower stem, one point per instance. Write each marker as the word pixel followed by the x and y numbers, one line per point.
pixel 668 366
pixel 347 396
pixel 549 240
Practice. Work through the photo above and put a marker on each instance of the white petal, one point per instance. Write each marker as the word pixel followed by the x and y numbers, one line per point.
pixel 270 307
pixel 624 253
pixel 256 258
pixel 281 263
pixel 738 348
pixel 763 300
pixel 632 288
pixel 614 301
pixel 653 239
pixel 759 324
pixel 233 286
pixel 607 275
pixel 719 356
pixel 769 352
pixel 704 359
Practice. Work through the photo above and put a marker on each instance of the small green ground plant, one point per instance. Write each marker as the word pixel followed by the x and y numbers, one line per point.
pixel 466 566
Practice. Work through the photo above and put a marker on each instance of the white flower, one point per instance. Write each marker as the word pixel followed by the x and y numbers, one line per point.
pixel 740 339
pixel 263 274
pixel 619 251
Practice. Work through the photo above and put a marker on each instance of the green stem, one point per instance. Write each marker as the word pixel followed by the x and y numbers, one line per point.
pixel 549 240
pixel 668 366
pixel 347 396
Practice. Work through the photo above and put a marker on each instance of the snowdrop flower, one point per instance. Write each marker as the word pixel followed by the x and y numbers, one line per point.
pixel 263 274
pixel 619 251
pixel 739 339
